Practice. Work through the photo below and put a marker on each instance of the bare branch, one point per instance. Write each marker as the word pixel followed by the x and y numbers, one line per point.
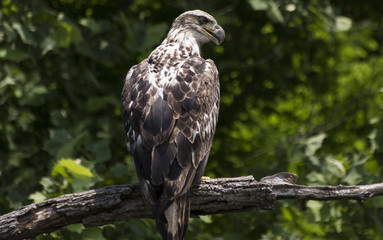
pixel 123 202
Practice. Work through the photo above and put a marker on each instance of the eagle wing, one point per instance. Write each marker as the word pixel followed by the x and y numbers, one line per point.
pixel 170 127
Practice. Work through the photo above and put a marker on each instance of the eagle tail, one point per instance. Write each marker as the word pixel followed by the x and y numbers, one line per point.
pixel 172 217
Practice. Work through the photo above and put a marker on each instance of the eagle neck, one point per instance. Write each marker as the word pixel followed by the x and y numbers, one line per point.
pixel 166 59
pixel 183 40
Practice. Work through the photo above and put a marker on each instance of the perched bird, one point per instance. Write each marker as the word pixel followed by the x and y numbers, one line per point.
pixel 170 104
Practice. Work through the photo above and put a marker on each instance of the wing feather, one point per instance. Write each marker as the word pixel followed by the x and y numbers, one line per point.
pixel 170 128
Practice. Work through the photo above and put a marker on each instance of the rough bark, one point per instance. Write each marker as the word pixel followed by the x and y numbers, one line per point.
pixel 123 202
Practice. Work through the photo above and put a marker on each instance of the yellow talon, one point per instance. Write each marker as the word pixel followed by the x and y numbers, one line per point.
pixel 205 178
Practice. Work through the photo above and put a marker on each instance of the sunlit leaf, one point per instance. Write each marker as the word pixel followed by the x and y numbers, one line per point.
pixel 37 197
pixel 81 184
pixel 343 23
pixel 270 7
pixel 315 207
pixel 24 33
pixel 314 143
pixel 47 183
pixel 258 4
pixel 74 168
pixel 77 228
pixel 353 177
pixel 206 219
pixel 66 34
pixel 274 13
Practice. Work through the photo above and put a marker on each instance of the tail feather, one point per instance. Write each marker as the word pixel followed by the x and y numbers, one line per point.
pixel 172 217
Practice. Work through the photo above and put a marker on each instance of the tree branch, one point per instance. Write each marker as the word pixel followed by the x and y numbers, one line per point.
pixel 123 202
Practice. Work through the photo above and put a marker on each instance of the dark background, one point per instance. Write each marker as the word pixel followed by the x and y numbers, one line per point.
pixel 301 91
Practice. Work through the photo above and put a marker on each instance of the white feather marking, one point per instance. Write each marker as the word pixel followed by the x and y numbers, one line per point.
pixel 194 135
pixel 134 134
pixel 152 81
pixel 129 74
pixel 139 140
pixel 193 159
pixel 146 191
pixel 208 128
pixel 196 132
pixel 151 77
pixel 171 216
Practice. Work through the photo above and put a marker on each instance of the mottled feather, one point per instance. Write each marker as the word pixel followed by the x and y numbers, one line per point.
pixel 170 104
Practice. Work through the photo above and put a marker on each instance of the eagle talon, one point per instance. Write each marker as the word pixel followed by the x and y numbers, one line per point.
pixel 203 178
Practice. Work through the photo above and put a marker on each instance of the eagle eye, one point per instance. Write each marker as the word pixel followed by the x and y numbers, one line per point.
pixel 203 19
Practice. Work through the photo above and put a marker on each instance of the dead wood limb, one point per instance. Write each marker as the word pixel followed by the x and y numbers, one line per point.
pixel 123 202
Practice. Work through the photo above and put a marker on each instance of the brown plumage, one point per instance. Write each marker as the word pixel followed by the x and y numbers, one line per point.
pixel 170 105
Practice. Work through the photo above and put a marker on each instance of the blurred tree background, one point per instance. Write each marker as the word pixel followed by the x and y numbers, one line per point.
pixel 301 91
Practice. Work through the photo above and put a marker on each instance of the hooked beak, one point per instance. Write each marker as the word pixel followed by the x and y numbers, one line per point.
pixel 214 33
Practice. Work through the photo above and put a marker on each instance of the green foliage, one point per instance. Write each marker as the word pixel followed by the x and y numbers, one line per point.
pixel 301 91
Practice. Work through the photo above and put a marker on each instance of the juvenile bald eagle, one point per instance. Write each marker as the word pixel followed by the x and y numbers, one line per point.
pixel 170 105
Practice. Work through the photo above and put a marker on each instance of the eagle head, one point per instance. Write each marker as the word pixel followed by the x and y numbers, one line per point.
pixel 201 25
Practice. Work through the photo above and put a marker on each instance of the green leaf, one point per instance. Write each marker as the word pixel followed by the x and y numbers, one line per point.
pixel 92 234
pixel 60 170
pixel 24 33
pixel 270 7
pixel 378 140
pixel 77 228
pixel 67 149
pixel 258 4
pixel 314 143
pixel 16 197
pixel 274 13
pixel 353 177
pixel 334 166
pixel 206 219
pixel 37 197
pixel 62 144
pixel 315 207
pixel 58 138
pixel 8 80
pixel 376 201
pixel 119 170
pixel 66 34
pixel 316 178
pixel 74 167
pixel 96 27
pixel 35 95
pixel 233 235
pixel 82 184
pixel 100 150
pixel 342 24
pixel 47 45
pixel 14 55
